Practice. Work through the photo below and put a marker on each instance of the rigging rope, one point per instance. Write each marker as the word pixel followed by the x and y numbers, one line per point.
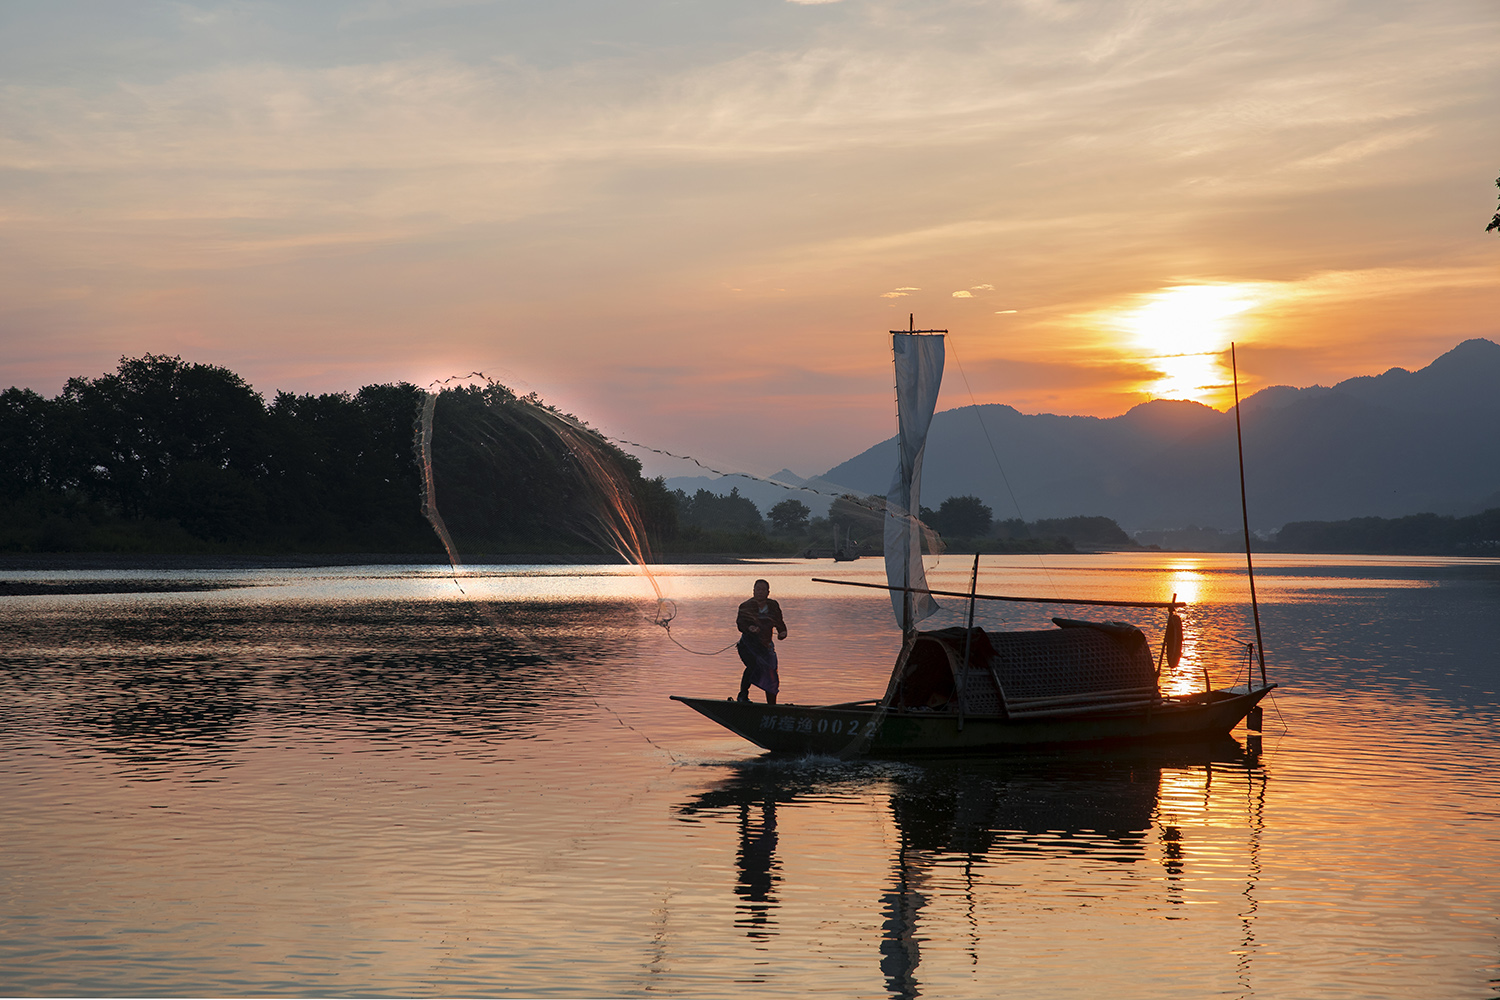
pixel 979 415
pixel 868 502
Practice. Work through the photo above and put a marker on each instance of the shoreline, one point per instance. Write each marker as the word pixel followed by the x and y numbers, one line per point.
pixel 31 562
pixel 53 561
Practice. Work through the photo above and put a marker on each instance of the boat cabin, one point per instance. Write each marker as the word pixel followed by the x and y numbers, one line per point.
pixel 1078 665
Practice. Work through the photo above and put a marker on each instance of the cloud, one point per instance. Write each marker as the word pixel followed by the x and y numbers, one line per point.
pixel 435 176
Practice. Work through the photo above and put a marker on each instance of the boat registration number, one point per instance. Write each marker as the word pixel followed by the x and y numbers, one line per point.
pixel 805 724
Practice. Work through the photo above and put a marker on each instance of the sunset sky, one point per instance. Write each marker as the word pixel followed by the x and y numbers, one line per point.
pixel 692 223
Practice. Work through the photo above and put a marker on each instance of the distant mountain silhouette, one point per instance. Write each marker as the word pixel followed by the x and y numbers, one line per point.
pixel 1374 446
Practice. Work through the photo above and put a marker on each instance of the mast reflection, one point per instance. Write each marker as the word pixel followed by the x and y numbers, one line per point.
pixel 900 906
pixel 1108 808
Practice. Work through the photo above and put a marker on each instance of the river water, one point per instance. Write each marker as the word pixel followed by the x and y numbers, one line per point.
pixel 391 781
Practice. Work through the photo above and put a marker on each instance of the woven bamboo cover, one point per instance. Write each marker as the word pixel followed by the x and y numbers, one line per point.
pixel 1054 663
pixel 1074 664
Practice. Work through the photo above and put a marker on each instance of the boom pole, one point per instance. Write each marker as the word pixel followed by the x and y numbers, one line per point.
pixel 969 596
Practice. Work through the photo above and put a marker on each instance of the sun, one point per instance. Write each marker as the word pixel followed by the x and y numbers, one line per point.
pixel 1184 331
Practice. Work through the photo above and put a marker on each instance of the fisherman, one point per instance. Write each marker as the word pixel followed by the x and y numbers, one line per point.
pixel 757 619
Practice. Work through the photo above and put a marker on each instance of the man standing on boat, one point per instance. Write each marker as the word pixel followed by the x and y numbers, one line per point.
pixel 758 618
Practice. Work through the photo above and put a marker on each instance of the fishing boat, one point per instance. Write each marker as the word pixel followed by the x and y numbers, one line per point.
pixel 968 690
pixel 846 550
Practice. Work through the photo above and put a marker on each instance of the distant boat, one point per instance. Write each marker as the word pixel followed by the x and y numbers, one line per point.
pixel 845 551
pixel 968 690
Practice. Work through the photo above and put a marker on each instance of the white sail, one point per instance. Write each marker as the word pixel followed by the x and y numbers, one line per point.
pixel 919 372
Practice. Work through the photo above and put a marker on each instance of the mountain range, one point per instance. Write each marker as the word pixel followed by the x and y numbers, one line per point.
pixel 1398 443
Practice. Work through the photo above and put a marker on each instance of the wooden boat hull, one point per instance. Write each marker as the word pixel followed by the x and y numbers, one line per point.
pixel 860 727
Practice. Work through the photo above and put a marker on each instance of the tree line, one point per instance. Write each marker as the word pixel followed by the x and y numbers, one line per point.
pixel 167 456
pixel 161 455
pixel 1415 534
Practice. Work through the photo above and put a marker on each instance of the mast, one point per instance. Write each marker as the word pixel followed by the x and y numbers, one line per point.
pixel 968 642
pixel 908 628
pixel 1260 648
pixel 918 357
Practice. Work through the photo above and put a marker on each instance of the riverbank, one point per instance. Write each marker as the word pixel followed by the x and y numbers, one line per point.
pixel 11 562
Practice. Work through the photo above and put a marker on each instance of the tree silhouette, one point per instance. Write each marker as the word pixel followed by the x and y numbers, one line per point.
pixel 790 515
pixel 712 512
pixel 962 517
pixel 163 439
pixel 27 451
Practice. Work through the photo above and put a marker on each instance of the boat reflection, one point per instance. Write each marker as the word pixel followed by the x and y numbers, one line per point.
pixel 1123 807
